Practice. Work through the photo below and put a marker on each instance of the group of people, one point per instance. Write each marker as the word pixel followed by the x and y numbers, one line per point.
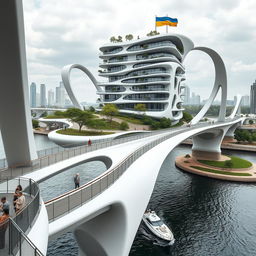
pixel 19 202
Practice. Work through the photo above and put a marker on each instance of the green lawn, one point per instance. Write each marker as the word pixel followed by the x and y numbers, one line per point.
pixel 236 161
pixel 82 133
pixel 54 117
pixel 221 172
pixel 103 124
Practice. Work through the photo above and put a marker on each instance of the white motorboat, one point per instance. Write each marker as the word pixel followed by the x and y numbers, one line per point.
pixel 157 227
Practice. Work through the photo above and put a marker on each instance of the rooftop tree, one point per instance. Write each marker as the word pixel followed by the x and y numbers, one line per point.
pixel 110 110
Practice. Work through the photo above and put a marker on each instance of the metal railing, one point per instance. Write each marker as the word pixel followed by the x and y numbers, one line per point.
pixel 77 197
pixel 13 238
pixel 58 154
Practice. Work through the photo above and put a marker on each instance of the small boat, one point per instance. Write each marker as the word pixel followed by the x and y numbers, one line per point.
pixel 157 227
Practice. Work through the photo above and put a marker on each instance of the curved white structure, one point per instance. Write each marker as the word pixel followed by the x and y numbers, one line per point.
pixel 65 74
pixel 220 82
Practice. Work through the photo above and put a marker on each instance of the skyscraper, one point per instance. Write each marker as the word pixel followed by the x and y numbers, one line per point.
pixel 186 95
pixel 253 98
pixel 60 95
pixel 43 95
pixel 33 95
pixel 245 101
pixel 50 98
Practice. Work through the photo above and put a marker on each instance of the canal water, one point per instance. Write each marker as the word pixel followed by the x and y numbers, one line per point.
pixel 208 217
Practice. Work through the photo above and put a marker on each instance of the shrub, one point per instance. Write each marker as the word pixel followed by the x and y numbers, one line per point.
pixel 229 163
pixel 147 120
pixel 35 123
pixel 124 126
pixel 155 125
pixel 165 122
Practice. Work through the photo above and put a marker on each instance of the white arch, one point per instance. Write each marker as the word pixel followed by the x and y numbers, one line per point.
pixel 220 82
pixel 65 74
pixel 237 108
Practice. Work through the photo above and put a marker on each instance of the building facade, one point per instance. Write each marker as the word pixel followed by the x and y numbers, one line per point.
pixel 253 98
pixel 146 71
pixel 50 98
pixel 33 95
pixel 43 95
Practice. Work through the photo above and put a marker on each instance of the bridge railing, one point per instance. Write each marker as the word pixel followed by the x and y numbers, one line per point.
pixel 61 155
pixel 75 198
pixel 13 238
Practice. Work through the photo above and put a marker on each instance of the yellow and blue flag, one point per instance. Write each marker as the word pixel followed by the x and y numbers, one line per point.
pixel 163 21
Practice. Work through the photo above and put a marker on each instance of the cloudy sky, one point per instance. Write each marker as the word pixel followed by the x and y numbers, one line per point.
pixel 71 31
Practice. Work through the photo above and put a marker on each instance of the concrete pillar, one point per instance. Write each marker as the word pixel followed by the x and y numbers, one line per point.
pixel 207 145
pixel 15 118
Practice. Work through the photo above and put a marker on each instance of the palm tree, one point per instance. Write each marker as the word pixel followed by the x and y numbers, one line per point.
pixel 119 39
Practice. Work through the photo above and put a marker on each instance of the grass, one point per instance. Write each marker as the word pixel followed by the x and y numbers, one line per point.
pixel 237 163
pixel 82 133
pixel 221 172
pixel 54 117
pixel 103 124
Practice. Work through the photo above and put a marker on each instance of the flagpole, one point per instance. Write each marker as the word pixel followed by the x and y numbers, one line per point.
pixel 155 23
pixel 166 25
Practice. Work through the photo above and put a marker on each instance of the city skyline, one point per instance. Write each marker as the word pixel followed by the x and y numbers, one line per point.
pixel 53 44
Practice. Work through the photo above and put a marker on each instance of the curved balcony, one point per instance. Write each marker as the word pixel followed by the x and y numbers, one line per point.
pixel 14 229
pixel 146 56
pixel 147 72
pixel 114 88
pixel 112 51
pixel 112 69
pixel 147 96
pixel 116 59
pixel 150 46
pixel 145 80
pixel 149 88
pixel 152 107
pixel 111 97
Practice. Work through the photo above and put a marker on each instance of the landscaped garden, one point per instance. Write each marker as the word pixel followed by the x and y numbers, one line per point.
pixel 82 133
pixel 221 172
pixel 234 163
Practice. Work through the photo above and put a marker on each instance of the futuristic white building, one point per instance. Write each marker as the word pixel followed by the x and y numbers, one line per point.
pixel 148 71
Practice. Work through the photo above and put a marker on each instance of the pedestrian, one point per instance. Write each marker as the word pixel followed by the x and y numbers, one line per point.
pixel 89 142
pixel 4 204
pixel 3 226
pixel 77 180
pixel 20 202
pixel 15 195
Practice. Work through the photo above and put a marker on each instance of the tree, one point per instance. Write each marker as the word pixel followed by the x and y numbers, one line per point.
pixel 110 110
pixel 250 122
pixel 129 37
pixel 112 39
pixel 119 39
pixel 153 33
pixel 82 118
pixel 124 126
pixel 35 123
pixel 92 109
pixel 141 108
pixel 187 117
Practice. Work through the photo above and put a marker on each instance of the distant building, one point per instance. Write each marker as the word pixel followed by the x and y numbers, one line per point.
pixel 33 95
pixel 195 99
pixel 253 98
pixel 245 101
pixel 43 95
pixel 230 103
pixel 50 98
pixel 60 95
pixel 186 93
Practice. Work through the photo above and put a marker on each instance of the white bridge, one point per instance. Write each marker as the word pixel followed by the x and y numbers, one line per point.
pixel 105 213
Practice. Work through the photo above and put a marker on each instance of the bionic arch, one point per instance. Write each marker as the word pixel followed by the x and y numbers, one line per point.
pixel 65 74
pixel 220 82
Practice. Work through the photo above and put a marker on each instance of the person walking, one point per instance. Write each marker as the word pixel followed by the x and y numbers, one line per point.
pixel 89 142
pixel 77 180
pixel 15 195
pixel 4 204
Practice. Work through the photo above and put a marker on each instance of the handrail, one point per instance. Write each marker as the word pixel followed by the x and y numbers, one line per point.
pixel 37 252
pixel 68 153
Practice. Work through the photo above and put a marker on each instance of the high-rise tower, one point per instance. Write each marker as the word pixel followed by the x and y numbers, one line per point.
pixel 33 95
pixel 148 71
pixel 253 98
pixel 42 95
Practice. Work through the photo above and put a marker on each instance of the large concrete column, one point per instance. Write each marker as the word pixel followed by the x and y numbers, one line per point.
pixel 207 145
pixel 15 120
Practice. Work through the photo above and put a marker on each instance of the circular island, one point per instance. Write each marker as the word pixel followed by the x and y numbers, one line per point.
pixel 229 168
